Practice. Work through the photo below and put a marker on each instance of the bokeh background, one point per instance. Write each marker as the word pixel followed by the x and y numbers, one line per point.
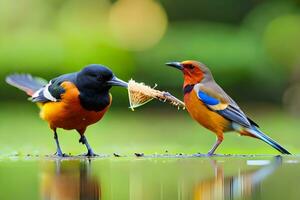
pixel 251 46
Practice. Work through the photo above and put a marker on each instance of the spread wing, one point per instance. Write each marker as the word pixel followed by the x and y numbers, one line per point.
pixel 53 90
pixel 218 101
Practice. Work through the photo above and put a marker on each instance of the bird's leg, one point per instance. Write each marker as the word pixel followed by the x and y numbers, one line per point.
pixel 84 141
pixel 217 143
pixel 58 149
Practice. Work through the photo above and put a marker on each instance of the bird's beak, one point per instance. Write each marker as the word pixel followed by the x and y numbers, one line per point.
pixel 117 82
pixel 176 65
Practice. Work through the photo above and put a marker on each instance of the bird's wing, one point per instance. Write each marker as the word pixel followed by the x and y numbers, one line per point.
pixel 53 90
pixel 26 82
pixel 219 102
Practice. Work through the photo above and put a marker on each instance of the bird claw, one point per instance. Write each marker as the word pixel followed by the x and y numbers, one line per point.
pixel 90 154
pixel 60 154
pixel 213 154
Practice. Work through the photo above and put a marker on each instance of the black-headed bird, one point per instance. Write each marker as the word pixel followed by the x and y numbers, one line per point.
pixel 71 101
pixel 209 105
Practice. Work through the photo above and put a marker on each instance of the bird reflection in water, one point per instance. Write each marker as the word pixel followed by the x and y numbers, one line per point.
pixel 246 185
pixel 69 180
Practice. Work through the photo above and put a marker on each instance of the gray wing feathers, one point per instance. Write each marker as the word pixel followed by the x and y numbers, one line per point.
pixel 26 82
pixel 233 111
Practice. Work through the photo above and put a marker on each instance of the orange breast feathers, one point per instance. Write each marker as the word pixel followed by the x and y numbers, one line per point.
pixel 68 113
pixel 207 118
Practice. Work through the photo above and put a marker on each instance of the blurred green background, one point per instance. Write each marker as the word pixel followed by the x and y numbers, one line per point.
pixel 251 46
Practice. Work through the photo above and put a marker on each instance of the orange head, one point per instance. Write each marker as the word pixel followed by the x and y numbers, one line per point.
pixel 194 71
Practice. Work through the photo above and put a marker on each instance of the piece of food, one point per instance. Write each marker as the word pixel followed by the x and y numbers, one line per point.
pixel 140 94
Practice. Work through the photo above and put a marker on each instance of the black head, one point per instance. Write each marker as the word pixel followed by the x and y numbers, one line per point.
pixel 98 77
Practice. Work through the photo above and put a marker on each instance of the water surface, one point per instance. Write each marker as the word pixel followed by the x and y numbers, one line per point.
pixel 150 178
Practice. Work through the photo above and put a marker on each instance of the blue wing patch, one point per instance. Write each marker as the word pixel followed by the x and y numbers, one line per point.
pixel 208 100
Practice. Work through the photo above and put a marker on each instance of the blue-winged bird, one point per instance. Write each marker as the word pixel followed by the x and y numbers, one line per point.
pixel 209 105
pixel 71 101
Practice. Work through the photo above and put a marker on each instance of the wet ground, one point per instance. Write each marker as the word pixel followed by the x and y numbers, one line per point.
pixel 150 177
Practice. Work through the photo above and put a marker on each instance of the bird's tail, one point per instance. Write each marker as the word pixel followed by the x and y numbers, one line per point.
pixel 260 135
pixel 26 82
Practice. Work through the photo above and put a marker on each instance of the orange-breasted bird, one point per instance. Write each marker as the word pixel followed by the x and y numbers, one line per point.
pixel 71 101
pixel 209 105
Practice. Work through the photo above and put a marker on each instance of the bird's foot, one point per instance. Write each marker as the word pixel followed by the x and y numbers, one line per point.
pixel 210 154
pixel 60 154
pixel 90 153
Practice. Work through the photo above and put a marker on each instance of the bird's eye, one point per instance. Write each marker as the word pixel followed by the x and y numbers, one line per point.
pixel 190 66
